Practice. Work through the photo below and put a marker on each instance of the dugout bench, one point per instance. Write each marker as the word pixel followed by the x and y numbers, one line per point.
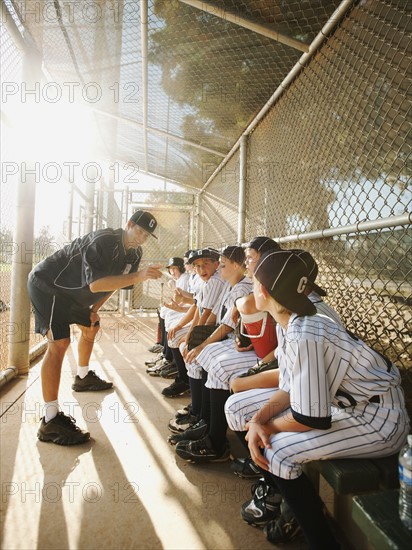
pixel 361 496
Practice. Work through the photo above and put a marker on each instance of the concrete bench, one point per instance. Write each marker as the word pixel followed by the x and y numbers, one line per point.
pixel 377 516
pixel 339 481
pixel 353 475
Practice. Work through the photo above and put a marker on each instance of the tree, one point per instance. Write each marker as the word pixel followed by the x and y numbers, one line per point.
pixel 6 245
pixel 44 244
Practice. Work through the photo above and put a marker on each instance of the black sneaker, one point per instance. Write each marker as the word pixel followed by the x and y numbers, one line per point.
pixel 202 451
pixel 284 528
pixel 62 430
pixel 245 468
pixel 184 411
pixel 156 348
pixel 264 506
pixel 169 370
pixel 195 432
pixel 91 382
pixel 182 423
pixel 176 389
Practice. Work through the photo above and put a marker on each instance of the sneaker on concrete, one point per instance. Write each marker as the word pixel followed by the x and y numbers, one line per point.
pixel 176 389
pixel 91 382
pixel 152 362
pixel 62 430
pixel 264 506
pixel 245 468
pixel 154 370
pixel 202 451
pixel 284 528
pixel 195 432
pixel 182 423
pixel 184 411
pixel 156 348
pixel 169 370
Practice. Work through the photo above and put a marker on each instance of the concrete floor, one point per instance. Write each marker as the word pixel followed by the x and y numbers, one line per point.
pixel 126 489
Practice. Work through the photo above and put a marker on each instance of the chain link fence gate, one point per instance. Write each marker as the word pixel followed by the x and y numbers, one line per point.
pixel 328 169
pixel 174 232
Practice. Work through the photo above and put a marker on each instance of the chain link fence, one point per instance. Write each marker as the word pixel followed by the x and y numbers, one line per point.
pixel 11 71
pixel 333 152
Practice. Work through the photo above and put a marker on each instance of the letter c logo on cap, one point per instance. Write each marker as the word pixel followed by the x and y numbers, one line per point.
pixel 151 223
pixel 302 285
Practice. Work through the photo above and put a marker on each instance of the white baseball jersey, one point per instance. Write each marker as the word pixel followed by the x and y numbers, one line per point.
pixel 346 392
pixel 224 308
pixel 323 307
pixel 210 292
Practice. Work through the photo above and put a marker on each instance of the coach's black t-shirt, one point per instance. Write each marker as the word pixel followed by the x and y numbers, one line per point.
pixel 70 270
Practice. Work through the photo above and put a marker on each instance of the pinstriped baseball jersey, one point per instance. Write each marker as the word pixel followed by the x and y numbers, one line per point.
pixel 195 282
pixel 319 360
pixel 324 308
pixel 183 282
pixel 209 294
pixel 228 299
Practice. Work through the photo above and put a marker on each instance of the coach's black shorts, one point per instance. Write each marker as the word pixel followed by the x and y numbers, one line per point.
pixel 56 313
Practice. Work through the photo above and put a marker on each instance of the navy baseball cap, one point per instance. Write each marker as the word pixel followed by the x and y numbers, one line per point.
pixel 175 262
pixel 312 269
pixel 234 253
pixel 204 253
pixel 285 276
pixel 145 220
pixel 262 244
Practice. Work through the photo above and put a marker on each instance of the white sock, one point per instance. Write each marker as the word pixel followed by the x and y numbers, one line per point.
pixel 82 371
pixel 50 410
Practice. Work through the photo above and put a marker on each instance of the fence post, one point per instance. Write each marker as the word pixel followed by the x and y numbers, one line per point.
pixel 242 190
pixel 24 237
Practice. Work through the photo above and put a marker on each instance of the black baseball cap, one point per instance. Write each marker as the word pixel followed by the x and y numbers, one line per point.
pixel 285 275
pixel 204 253
pixel 175 262
pixel 312 269
pixel 145 220
pixel 234 253
pixel 187 253
pixel 262 244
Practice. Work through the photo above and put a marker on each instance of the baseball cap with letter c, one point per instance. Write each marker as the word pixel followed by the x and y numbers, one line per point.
pixel 285 276
pixel 145 220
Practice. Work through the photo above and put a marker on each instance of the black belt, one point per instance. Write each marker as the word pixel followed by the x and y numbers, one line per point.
pixel 352 401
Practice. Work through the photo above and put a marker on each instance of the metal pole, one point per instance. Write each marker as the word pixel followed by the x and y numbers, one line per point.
pixel 89 207
pixel 266 30
pixel 125 294
pixel 69 230
pixel 197 218
pixel 144 37
pixel 242 190
pixel 383 223
pixel 24 238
